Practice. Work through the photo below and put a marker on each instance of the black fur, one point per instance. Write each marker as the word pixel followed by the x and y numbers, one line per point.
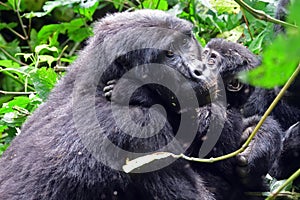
pixel 227 59
pixel 58 153
pixel 281 14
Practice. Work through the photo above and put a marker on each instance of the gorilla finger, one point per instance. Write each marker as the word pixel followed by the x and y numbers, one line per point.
pixel 242 160
pixel 108 95
pixel 111 82
pixel 242 172
pixel 108 88
pixel 246 134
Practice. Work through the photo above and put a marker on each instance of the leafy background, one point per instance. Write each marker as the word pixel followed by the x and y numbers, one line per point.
pixel 40 38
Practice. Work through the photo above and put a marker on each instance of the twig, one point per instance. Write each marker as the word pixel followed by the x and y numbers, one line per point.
pixel 16 93
pixel 61 54
pixel 247 23
pixel 15 78
pixel 11 57
pixel 16 33
pixel 262 15
pixel 20 20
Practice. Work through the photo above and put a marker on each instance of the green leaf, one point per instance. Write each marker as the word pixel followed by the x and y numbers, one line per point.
pixel 44 46
pixel 43 80
pixel 277 65
pixel 12 3
pixel 47 31
pixel 47 58
pixel 9 64
pixel 155 4
pixel 234 34
pixel 227 6
pixel 80 34
pixel 21 101
pixel 10 25
pixel 280 58
pixel 88 12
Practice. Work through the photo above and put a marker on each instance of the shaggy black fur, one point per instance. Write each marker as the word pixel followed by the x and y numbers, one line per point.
pixel 227 59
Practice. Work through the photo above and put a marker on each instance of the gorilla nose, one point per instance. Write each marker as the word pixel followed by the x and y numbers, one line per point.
pixel 196 71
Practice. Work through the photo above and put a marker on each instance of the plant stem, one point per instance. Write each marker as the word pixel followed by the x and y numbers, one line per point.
pixel 16 93
pixel 262 15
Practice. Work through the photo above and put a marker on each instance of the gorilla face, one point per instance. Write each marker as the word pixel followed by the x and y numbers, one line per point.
pixel 222 61
pixel 155 76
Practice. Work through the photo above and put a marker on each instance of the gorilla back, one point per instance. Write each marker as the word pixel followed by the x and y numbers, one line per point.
pixel 73 146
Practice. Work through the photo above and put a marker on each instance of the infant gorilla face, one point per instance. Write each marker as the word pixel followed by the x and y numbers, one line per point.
pixel 213 65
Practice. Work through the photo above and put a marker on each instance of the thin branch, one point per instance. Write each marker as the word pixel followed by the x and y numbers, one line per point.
pixel 20 20
pixel 16 93
pixel 15 78
pixel 61 54
pixel 5 5
pixel 11 57
pixel 287 182
pixel 262 15
pixel 16 33
pixel 247 23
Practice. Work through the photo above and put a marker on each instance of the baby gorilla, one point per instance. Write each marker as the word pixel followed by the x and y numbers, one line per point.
pixel 75 144
pixel 227 59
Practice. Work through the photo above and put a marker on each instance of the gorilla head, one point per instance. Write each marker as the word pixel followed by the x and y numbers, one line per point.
pixel 227 59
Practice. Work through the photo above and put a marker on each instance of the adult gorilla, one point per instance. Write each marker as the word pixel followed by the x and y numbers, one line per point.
pixel 74 145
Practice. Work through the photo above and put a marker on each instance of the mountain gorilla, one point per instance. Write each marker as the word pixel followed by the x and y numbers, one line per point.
pixel 74 145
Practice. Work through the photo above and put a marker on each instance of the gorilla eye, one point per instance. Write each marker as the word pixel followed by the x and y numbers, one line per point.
pixel 205 51
pixel 234 85
pixel 170 53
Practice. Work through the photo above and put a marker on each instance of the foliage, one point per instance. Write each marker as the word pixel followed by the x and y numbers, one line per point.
pixel 280 58
pixel 40 38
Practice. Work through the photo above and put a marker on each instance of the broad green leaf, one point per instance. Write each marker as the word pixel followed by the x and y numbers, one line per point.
pixel 155 4
pixel 9 64
pixel 47 31
pixel 223 6
pixel 21 101
pixel 80 34
pixel 43 80
pixel 12 3
pixel 44 46
pixel 47 58
pixel 234 34
pixel 2 128
pixel 88 12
